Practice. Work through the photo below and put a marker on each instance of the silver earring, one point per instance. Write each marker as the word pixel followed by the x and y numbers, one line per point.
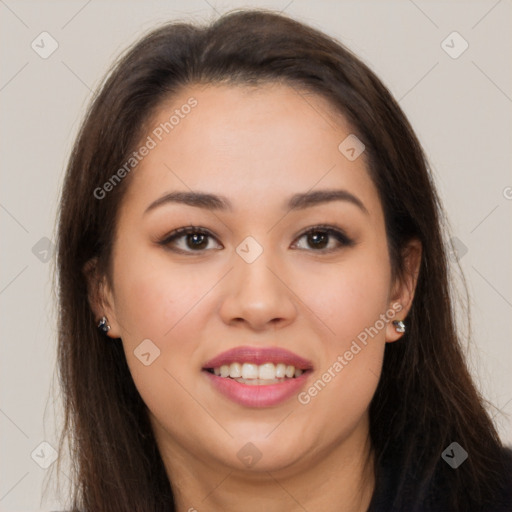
pixel 399 325
pixel 103 325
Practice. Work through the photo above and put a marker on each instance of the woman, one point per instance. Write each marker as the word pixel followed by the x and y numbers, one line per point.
pixel 255 308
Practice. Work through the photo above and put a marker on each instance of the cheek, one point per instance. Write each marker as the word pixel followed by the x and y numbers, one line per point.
pixel 158 301
pixel 350 298
pixel 154 296
pixel 347 297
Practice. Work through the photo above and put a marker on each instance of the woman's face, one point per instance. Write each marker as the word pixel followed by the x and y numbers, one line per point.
pixel 253 277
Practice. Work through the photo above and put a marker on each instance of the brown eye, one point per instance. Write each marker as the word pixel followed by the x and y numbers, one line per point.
pixel 196 240
pixel 326 239
pixel 188 239
pixel 318 239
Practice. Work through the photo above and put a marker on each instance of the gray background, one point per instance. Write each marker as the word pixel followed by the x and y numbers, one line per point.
pixel 459 107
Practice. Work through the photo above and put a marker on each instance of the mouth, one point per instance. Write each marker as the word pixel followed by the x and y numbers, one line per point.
pixel 257 377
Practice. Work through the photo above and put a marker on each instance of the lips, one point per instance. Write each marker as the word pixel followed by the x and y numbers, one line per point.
pixel 260 392
pixel 256 396
pixel 259 356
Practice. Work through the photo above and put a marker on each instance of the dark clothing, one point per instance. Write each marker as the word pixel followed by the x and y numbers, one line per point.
pixel 387 483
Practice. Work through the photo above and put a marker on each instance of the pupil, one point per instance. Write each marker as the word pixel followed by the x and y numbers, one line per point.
pixel 195 237
pixel 318 236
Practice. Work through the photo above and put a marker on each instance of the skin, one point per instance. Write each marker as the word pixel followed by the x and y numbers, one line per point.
pixel 257 147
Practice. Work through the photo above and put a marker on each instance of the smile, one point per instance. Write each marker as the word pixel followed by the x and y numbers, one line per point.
pixel 248 373
pixel 257 376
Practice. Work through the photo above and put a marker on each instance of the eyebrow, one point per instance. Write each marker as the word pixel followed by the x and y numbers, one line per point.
pixel 221 203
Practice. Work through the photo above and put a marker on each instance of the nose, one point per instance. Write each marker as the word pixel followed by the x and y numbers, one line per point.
pixel 258 294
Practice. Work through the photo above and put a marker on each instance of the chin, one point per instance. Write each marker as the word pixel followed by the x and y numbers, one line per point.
pixel 263 454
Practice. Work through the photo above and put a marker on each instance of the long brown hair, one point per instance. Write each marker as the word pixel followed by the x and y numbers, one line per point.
pixel 425 398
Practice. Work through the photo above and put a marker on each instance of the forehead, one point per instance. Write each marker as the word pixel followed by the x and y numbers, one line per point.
pixel 252 144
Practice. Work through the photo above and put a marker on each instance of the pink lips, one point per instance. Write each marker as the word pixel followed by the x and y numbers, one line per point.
pixel 258 355
pixel 265 395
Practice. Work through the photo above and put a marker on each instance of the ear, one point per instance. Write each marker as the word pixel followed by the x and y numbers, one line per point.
pixel 404 287
pixel 100 296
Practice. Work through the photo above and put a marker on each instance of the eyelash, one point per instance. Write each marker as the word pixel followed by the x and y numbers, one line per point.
pixel 331 231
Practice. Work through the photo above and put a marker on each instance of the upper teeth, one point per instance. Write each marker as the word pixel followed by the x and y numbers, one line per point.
pixel 253 371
